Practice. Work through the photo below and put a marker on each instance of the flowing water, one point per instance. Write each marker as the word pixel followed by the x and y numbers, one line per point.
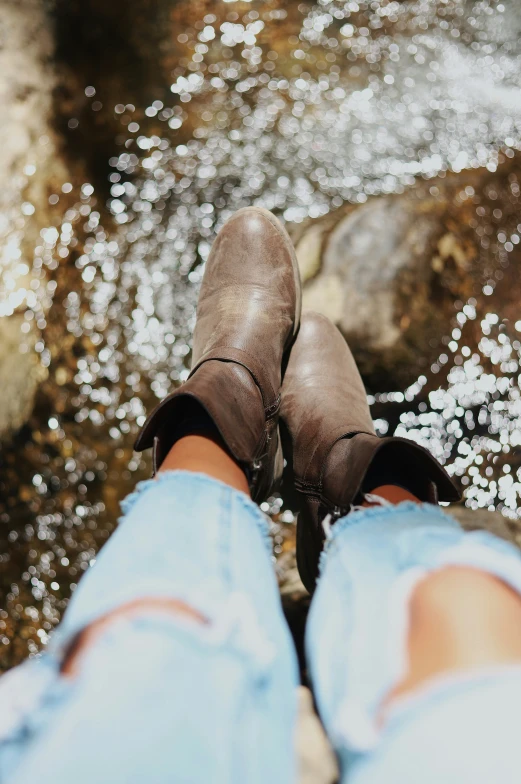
pixel 297 108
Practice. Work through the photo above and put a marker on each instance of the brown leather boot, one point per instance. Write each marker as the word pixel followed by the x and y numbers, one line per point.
pixel 331 445
pixel 247 317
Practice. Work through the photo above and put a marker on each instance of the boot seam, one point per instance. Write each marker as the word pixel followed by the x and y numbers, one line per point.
pixel 307 486
pixel 212 355
pixel 344 434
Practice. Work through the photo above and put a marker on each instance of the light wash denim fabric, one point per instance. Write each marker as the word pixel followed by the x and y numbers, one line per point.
pixel 162 699
pixel 458 730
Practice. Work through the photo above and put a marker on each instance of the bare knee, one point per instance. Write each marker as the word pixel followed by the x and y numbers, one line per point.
pixel 460 619
pixel 465 599
pixel 139 607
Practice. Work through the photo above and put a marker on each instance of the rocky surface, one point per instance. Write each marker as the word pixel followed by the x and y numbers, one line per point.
pixel 20 372
pixel 281 111
pixel 30 164
pixel 27 81
pixel 317 763
pixel 389 271
pixel 483 520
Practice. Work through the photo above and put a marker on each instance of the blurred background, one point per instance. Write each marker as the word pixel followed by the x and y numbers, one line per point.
pixel 385 134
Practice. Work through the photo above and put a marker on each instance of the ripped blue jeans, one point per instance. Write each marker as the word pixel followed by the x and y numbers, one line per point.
pixel 162 698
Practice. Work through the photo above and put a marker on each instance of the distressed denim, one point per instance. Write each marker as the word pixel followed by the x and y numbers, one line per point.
pixel 161 698
pixel 456 730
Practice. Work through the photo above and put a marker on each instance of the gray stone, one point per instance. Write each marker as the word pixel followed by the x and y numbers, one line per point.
pixel 388 272
pixel 363 259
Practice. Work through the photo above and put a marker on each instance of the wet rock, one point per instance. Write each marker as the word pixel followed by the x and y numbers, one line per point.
pixel 290 584
pixel 26 84
pixel 60 484
pixel 388 272
pixel 316 760
pixel 20 373
pixel 485 520
pixel 29 163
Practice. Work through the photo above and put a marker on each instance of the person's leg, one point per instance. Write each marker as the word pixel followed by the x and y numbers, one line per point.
pixel 206 454
pixel 405 598
pixel 335 454
pixel 202 453
pixel 459 619
pixel 173 661
pixel 414 646
pixel 176 660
